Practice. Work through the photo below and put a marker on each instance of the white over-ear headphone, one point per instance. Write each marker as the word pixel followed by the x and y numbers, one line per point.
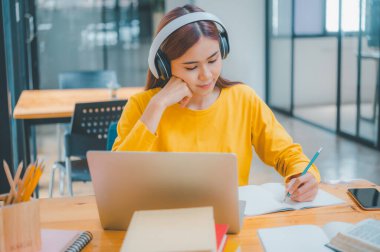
pixel 158 63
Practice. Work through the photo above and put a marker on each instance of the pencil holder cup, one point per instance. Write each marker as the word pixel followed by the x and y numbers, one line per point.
pixel 20 227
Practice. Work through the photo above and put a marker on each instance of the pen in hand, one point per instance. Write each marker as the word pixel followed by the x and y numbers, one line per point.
pixel 287 194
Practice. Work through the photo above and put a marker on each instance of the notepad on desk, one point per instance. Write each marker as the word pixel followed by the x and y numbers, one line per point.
pixel 268 198
pixel 340 236
pixel 184 229
pixel 64 240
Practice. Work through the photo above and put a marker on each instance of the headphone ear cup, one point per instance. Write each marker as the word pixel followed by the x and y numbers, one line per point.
pixel 162 66
pixel 224 45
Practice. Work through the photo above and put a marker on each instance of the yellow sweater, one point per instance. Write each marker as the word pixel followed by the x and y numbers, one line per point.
pixel 237 121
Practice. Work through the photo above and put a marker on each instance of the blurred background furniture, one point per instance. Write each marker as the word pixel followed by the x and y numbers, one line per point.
pixel 86 79
pixel 89 131
pixel 112 134
pixel 82 79
pixel 37 107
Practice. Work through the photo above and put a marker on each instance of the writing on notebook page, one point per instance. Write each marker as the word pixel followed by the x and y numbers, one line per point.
pixel 268 198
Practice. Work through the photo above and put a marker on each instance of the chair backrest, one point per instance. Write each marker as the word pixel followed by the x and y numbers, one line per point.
pixel 86 79
pixel 89 126
pixel 112 134
pixel 94 118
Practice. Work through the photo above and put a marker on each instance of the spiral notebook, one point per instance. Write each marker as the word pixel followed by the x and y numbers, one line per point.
pixel 64 240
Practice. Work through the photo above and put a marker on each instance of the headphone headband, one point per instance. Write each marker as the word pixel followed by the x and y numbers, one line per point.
pixel 173 26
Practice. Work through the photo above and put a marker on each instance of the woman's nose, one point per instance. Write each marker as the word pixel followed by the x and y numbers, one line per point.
pixel 205 73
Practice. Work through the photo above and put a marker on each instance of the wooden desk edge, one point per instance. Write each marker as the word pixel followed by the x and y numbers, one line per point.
pixel 247 238
pixel 21 113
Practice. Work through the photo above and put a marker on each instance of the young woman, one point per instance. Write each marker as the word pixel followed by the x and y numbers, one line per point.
pixel 189 107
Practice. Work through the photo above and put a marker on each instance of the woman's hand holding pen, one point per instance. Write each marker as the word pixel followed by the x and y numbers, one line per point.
pixel 175 91
pixel 302 188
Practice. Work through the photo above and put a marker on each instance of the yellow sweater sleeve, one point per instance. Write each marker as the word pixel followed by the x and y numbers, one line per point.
pixel 235 123
pixel 274 146
pixel 132 134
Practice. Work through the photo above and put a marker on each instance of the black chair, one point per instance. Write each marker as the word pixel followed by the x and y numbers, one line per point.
pixel 89 131
pixel 112 134
pixel 82 79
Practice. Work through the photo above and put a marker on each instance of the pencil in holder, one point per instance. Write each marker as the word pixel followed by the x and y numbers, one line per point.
pixel 20 227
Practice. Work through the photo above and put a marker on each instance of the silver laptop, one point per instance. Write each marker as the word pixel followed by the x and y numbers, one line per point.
pixel 128 181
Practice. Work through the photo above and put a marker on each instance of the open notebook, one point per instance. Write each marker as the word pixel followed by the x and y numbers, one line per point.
pixel 268 198
pixel 363 236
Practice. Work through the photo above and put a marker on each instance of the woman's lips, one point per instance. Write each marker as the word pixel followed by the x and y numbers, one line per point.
pixel 206 86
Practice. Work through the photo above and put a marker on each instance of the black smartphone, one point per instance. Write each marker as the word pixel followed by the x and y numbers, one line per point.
pixel 366 198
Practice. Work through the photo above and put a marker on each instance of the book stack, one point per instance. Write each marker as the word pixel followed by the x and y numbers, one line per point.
pixel 221 236
pixel 184 229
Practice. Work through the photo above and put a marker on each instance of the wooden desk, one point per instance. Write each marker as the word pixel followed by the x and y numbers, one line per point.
pixel 81 213
pixel 56 106
pixel 60 103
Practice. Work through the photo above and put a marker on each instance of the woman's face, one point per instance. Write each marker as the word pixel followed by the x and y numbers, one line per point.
pixel 199 66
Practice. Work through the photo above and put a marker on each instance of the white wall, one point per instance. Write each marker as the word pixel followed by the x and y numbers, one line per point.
pixel 245 24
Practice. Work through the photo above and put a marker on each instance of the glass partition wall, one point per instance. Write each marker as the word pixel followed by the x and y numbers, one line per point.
pixel 360 89
pixel 88 36
pixel 280 56
pixel 95 35
pixel 328 73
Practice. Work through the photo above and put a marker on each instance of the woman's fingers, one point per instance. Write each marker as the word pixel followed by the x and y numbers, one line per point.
pixel 184 101
pixel 305 193
pixel 303 188
pixel 308 195
pixel 175 91
pixel 295 183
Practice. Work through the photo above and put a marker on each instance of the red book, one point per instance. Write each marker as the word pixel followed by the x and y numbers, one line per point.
pixel 221 236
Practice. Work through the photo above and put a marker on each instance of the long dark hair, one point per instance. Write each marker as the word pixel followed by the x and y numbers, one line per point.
pixel 182 39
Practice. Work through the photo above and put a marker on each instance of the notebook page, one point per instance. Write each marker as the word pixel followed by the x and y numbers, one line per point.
pixel 57 240
pixel 277 189
pixel 331 229
pixel 367 230
pixel 294 238
pixel 258 200
pixel 323 198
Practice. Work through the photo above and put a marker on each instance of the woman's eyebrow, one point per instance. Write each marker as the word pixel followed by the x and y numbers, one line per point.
pixel 193 62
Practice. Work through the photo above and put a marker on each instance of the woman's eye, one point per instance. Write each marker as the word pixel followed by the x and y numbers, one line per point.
pixel 212 61
pixel 191 68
